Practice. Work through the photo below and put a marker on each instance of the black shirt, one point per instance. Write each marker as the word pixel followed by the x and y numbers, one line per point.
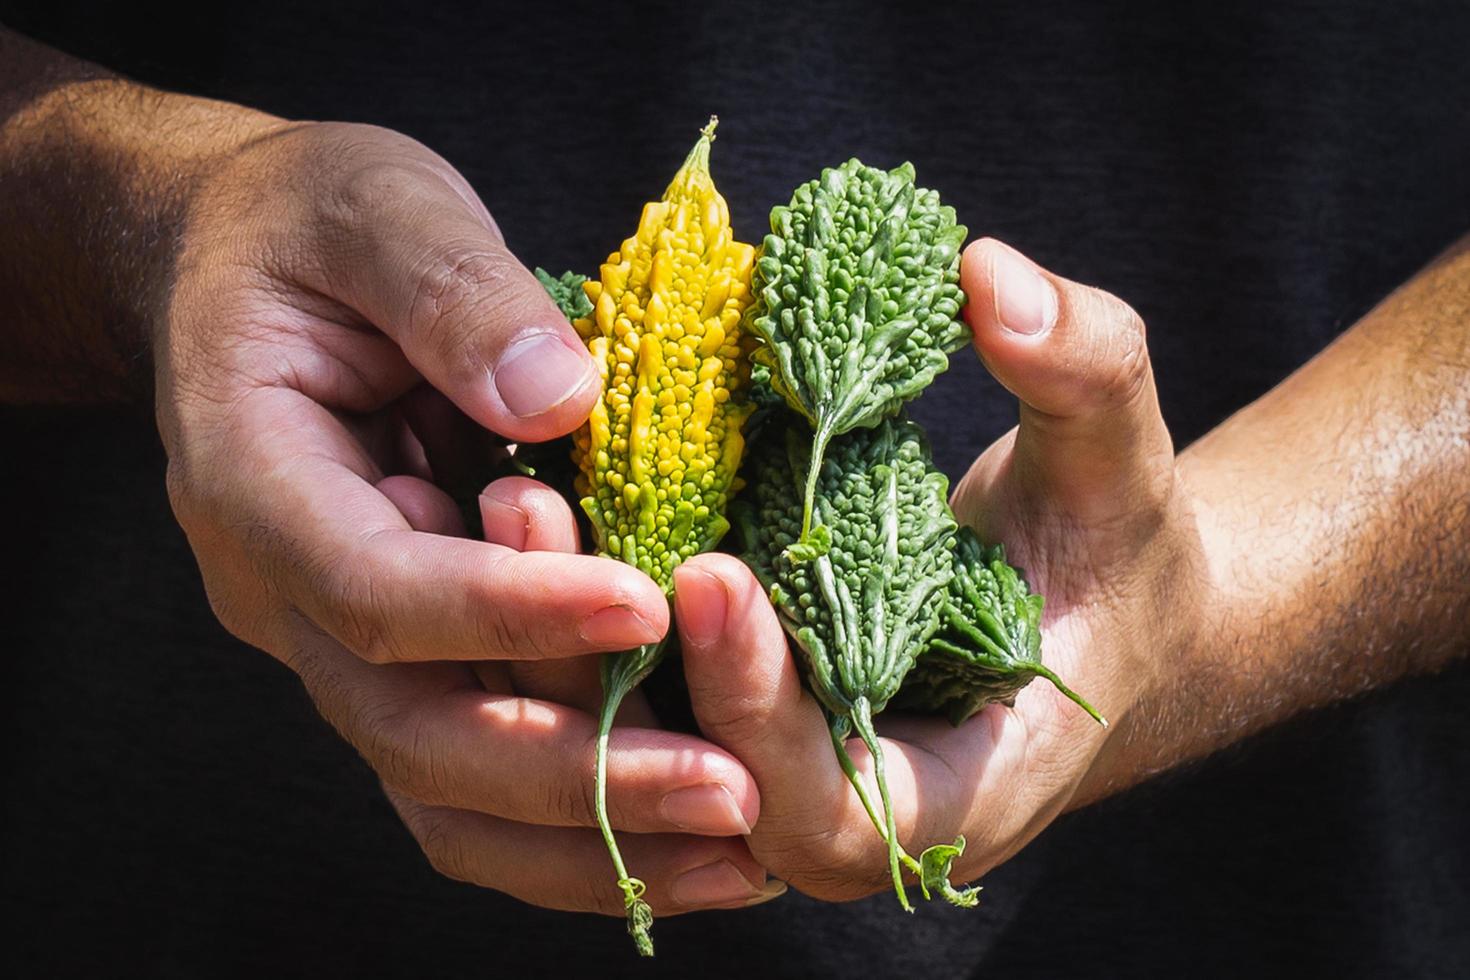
pixel 1252 178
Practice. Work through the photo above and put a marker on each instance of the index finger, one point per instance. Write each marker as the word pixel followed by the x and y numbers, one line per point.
pixel 314 527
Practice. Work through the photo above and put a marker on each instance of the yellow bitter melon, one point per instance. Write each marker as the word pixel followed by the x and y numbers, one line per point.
pixel 657 458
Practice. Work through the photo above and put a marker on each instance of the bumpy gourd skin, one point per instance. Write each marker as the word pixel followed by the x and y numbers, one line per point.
pixel 865 609
pixel 988 646
pixel 858 300
pixel 657 458
pixel 658 455
pixel 567 292
pixel 861 613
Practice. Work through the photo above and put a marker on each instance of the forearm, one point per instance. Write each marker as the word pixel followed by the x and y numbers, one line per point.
pixel 1334 516
pixel 95 174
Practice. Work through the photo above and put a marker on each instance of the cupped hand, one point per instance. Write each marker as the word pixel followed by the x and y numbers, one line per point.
pixel 344 312
pixel 1085 496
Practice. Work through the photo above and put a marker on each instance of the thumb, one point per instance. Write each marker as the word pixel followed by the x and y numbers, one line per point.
pixel 433 274
pixel 1090 436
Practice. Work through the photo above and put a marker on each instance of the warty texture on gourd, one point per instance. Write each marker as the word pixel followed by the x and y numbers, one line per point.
pixel 863 610
pixel 988 645
pixel 658 455
pixel 657 458
pixel 857 300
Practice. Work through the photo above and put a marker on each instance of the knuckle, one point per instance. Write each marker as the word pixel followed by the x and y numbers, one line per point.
pixel 384 738
pixel 807 845
pixel 495 635
pixel 445 848
pixel 832 885
pixel 198 487
pixel 571 800
pixel 831 877
pixel 1115 314
pixel 559 789
pixel 1120 364
pixel 358 612
pixel 741 718
pixel 499 629
pixel 836 861
pixel 1125 377
pixel 401 741
pixel 498 636
pixel 227 610
pixel 368 189
pixel 344 144
pixel 566 803
pixel 221 554
pixel 370 642
pixel 181 496
pixel 594 893
pixel 425 767
pixel 450 283
pixel 366 637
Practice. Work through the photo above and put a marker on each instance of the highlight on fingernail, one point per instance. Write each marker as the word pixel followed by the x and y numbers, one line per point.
pixel 718 883
pixel 618 626
pixel 702 616
pixel 505 524
pixel 1025 302
pixel 538 372
pixel 709 809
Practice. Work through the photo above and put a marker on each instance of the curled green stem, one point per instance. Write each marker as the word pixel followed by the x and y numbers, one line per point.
pixel 932 866
pixel 621 672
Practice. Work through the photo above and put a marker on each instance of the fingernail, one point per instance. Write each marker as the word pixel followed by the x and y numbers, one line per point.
pixel 1025 302
pixel 617 627
pixel 721 884
pixel 702 615
pixel 504 523
pixel 709 809
pixel 771 889
pixel 537 373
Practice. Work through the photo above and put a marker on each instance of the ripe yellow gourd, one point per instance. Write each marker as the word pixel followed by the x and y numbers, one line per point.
pixel 656 460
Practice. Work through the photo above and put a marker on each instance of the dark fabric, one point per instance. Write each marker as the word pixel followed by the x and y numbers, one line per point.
pixel 1251 179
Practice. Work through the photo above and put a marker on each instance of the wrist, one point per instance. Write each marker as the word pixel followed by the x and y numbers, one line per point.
pixel 95 179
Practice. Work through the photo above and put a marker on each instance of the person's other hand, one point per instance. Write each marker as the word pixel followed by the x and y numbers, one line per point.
pixel 343 305
pixel 1085 496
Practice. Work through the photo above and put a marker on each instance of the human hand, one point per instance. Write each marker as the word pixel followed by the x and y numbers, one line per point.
pixel 332 282
pixel 1085 496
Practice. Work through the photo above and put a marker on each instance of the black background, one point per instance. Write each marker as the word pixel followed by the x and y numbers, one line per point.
pixel 1252 178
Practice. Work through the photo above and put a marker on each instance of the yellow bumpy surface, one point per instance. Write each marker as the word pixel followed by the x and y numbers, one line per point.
pixel 657 458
